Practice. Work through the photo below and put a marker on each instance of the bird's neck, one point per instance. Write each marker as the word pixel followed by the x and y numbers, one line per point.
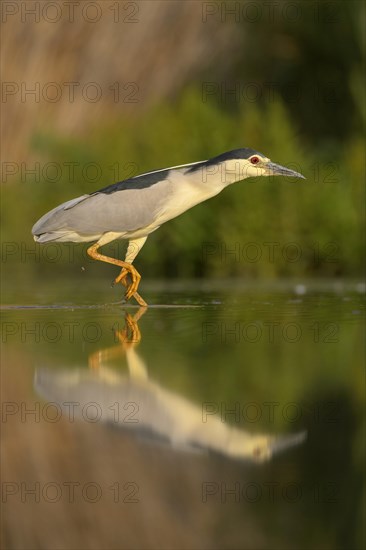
pixel 223 174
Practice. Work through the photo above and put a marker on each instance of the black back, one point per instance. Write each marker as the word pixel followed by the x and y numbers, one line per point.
pixel 138 182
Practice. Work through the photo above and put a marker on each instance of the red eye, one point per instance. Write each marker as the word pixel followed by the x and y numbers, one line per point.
pixel 254 160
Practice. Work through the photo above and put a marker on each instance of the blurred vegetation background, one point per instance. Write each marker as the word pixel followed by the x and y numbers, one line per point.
pixel 127 87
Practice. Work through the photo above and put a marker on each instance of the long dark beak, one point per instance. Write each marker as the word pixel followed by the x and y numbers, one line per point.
pixel 278 170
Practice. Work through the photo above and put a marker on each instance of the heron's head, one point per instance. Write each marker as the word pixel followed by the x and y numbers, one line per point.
pixel 245 163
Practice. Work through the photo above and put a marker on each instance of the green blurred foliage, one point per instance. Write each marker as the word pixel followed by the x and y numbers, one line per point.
pixel 323 215
pixel 314 54
pixel 314 49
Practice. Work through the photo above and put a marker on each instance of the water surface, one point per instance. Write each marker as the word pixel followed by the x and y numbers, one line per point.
pixel 223 416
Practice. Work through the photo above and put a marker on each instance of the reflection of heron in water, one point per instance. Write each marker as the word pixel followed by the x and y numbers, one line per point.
pixel 146 408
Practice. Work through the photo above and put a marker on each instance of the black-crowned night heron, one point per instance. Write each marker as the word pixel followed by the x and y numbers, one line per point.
pixel 134 208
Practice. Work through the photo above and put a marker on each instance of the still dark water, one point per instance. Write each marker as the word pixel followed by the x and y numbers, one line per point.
pixel 219 418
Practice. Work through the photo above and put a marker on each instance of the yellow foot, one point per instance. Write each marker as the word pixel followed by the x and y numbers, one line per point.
pixel 132 288
pixel 131 334
pixel 122 277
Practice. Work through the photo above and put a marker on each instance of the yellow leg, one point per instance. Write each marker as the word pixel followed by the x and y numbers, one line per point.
pixel 126 268
pixel 128 337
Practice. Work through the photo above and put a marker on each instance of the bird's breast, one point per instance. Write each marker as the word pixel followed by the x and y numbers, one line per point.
pixel 181 197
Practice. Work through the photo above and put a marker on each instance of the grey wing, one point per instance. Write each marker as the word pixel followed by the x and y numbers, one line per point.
pixel 89 216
